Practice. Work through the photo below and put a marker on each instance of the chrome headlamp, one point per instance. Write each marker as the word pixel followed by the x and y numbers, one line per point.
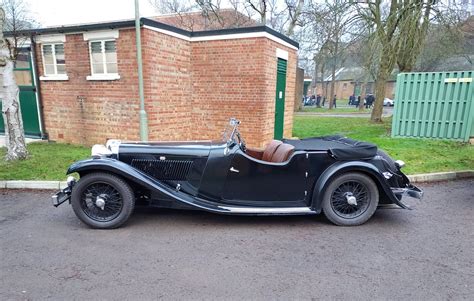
pixel 400 163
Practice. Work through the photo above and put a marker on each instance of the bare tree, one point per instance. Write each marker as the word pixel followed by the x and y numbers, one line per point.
pixel 332 20
pixel 9 92
pixel 295 10
pixel 261 7
pixel 400 28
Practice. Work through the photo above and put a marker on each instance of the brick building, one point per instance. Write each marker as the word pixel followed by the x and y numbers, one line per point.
pixel 349 81
pixel 86 82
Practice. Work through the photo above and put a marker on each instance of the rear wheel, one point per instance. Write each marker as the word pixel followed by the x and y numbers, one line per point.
pixel 102 200
pixel 350 199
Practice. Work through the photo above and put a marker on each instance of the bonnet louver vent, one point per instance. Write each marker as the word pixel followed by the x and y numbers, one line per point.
pixel 164 169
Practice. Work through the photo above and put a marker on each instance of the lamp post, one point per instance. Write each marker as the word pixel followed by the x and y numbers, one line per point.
pixel 143 115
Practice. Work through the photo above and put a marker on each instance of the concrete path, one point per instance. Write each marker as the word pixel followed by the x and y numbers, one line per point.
pixel 28 140
pixel 387 112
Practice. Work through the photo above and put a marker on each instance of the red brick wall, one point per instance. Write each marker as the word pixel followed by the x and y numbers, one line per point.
pixel 228 81
pixel 270 90
pixel 191 90
pixel 237 78
pixel 167 77
pixel 109 108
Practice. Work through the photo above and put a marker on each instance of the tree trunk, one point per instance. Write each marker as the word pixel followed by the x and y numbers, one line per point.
pixel 333 87
pixel 363 88
pixel 377 111
pixel 14 134
pixel 385 68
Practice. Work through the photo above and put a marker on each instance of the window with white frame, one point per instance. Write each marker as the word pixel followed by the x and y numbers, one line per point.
pixel 54 62
pixel 103 56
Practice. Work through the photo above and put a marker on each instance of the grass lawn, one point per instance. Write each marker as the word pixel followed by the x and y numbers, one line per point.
pixel 420 155
pixel 325 110
pixel 47 161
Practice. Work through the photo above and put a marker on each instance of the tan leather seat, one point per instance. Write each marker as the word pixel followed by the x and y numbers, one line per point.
pixel 283 153
pixel 270 150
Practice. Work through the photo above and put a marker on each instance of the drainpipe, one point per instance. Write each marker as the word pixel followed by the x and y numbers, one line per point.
pixel 39 101
pixel 143 115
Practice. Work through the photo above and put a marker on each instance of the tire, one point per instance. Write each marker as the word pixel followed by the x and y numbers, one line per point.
pixel 117 199
pixel 336 200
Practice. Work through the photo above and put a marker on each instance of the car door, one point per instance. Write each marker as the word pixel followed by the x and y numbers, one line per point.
pixel 254 182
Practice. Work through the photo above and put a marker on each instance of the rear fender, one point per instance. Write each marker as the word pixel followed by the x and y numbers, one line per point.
pixel 350 166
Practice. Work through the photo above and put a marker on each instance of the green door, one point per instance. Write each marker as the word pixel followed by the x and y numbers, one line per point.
pixel 280 98
pixel 28 103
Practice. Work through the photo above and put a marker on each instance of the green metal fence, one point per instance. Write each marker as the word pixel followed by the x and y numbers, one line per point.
pixel 434 105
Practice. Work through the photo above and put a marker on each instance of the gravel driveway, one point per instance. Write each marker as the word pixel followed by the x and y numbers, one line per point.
pixel 427 253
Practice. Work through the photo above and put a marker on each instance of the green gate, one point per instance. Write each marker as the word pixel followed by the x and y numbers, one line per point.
pixel 434 105
pixel 28 102
pixel 280 99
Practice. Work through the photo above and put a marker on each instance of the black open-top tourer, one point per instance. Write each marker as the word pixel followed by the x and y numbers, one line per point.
pixel 346 179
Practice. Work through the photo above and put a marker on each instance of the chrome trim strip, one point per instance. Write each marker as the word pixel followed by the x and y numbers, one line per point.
pixel 278 210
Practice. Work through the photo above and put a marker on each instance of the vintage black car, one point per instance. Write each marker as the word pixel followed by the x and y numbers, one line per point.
pixel 344 178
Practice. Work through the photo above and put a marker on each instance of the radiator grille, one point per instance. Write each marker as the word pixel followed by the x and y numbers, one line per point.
pixel 164 169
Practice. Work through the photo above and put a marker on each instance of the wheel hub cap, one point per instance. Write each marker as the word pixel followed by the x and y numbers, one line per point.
pixel 351 200
pixel 100 202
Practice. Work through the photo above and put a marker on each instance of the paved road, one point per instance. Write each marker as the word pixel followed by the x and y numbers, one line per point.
pixel 424 254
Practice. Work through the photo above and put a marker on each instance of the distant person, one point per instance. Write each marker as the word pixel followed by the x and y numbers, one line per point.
pixel 334 101
pixel 371 100
pixel 358 101
pixel 324 100
pixel 318 101
pixel 352 100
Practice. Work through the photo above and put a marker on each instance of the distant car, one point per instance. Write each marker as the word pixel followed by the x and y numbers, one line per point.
pixel 387 102
pixel 344 178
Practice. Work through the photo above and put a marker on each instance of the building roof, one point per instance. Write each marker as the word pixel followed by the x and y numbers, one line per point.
pixel 354 74
pixel 198 21
pixel 261 29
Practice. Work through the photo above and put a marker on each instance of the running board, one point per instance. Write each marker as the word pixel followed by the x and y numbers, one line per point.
pixel 268 211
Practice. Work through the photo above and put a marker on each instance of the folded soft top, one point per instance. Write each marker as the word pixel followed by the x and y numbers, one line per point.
pixel 339 147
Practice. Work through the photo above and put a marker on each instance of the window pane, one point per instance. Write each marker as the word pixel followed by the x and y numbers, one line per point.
pixel 48 69
pixel 110 46
pixel 61 69
pixel 96 47
pixel 111 57
pixel 59 48
pixel 97 68
pixel 47 49
pixel 59 51
pixel 48 54
pixel 112 68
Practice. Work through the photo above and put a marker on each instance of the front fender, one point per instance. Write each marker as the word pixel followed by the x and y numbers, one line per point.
pixel 133 175
pixel 112 166
pixel 350 166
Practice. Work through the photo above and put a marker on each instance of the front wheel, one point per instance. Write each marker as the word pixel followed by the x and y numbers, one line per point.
pixel 102 200
pixel 350 199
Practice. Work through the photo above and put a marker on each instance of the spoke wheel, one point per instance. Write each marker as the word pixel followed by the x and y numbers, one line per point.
pixel 350 199
pixel 102 200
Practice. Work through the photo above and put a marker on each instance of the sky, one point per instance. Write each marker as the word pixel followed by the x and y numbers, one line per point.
pixel 66 12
